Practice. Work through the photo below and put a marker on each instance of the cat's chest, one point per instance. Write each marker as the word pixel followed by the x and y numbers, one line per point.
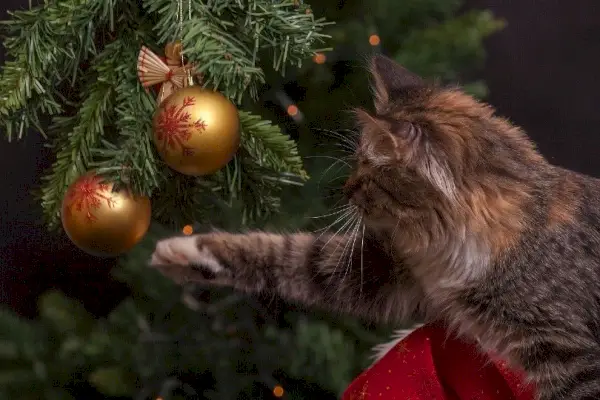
pixel 445 273
pixel 450 266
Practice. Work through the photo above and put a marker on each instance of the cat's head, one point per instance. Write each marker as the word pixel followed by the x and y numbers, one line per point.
pixel 433 155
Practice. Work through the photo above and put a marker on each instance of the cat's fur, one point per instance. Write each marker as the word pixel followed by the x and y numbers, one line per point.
pixel 464 221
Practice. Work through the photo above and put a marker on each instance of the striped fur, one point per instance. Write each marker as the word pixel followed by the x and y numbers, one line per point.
pixel 310 269
pixel 458 218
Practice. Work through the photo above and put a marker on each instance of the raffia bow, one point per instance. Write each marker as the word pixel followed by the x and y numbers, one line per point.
pixel 169 73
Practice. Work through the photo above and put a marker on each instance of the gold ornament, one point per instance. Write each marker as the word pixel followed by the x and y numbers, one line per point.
pixel 100 221
pixel 196 131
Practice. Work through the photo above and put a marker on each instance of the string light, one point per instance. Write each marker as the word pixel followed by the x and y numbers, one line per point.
pixel 187 230
pixel 288 105
pixel 320 58
pixel 292 110
pixel 278 391
pixel 374 40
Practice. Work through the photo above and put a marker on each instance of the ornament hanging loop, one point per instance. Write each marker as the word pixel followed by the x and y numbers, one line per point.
pixel 188 68
pixel 170 72
pixel 190 78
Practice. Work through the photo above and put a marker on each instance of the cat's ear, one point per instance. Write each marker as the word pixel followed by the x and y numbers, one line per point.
pixel 387 141
pixel 389 78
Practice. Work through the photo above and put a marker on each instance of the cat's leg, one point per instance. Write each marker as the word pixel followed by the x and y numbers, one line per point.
pixel 562 367
pixel 342 273
pixel 557 349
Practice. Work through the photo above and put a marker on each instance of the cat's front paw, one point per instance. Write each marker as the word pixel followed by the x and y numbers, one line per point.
pixel 185 259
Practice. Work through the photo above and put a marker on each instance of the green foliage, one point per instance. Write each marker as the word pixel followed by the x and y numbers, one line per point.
pixel 65 315
pixel 247 189
pixel 113 381
pixel 76 63
pixel 147 343
pixel 46 44
pixel 77 135
pixel 318 347
pixel 436 50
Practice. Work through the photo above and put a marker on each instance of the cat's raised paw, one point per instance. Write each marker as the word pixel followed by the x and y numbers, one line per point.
pixel 185 258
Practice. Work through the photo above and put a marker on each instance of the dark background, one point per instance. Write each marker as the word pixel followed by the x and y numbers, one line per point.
pixel 542 72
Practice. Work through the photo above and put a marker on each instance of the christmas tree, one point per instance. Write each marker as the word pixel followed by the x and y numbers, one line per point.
pixel 74 77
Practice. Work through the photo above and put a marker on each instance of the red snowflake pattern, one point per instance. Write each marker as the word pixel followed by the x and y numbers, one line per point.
pixel 173 127
pixel 86 195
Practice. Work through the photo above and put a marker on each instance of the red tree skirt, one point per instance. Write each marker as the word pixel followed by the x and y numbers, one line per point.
pixel 429 365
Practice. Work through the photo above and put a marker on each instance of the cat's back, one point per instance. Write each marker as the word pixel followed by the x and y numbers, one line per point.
pixel 574 205
pixel 551 272
pixel 562 240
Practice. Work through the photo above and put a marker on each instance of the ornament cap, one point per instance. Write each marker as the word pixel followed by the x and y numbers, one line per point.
pixel 190 78
pixel 173 51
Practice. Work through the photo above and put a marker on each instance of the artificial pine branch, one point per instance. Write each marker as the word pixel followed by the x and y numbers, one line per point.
pixel 102 117
pixel 271 149
pixel 225 38
pixel 130 156
pixel 435 50
pixel 18 111
pixel 267 160
pixel 47 44
pixel 288 28
pixel 80 133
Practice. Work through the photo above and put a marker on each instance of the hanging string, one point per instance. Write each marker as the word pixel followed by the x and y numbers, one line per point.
pixel 180 26
pixel 180 17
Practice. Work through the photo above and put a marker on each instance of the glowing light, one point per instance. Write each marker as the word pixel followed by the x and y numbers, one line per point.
pixel 187 230
pixel 292 110
pixel 374 40
pixel 320 58
pixel 278 391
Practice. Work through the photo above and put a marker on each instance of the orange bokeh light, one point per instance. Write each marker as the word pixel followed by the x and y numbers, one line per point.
pixel 374 40
pixel 278 391
pixel 319 58
pixel 188 230
pixel 292 110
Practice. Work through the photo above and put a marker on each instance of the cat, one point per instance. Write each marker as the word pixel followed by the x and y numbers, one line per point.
pixel 456 217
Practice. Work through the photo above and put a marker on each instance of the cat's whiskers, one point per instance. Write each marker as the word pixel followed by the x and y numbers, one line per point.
pixel 348 217
pixel 349 226
pixel 393 236
pixel 350 242
pixel 347 149
pixel 346 214
pixel 347 146
pixel 344 160
pixel 338 201
pixel 335 178
pixel 341 161
pixel 349 214
pixel 343 230
pixel 362 264
pixel 348 140
pixel 339 210
pixel 352 238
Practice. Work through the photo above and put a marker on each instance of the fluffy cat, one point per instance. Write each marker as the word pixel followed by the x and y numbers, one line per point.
pixel 458 218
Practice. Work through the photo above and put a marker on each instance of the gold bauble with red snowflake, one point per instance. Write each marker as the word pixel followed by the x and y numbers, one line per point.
pixel 101 221
pixel 196 131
